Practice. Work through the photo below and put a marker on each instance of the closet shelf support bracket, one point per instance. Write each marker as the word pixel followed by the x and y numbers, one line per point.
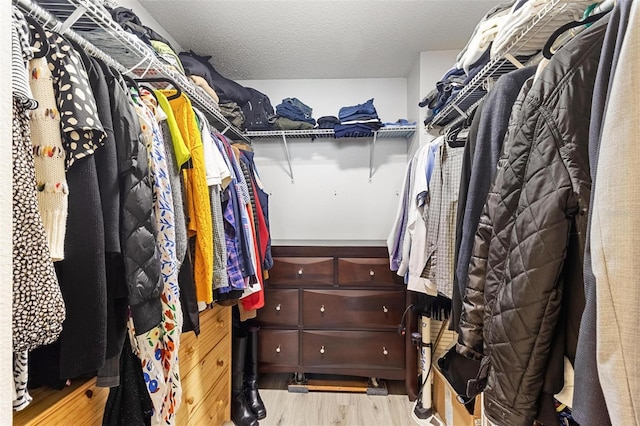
pixel 225 130
pixel 371 151
pixel 461 112
pixel 516 63
pixel 72 19
pixel 286 150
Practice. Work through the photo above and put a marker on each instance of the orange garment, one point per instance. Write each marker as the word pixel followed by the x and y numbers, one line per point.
pixel 197 193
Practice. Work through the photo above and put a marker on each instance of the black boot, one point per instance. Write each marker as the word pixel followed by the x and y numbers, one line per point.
pixel 251 376
pixel 241 414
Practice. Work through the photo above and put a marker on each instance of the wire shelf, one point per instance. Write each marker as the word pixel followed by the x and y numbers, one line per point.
pixel 131 54
pixel 383 132
pixel 504 63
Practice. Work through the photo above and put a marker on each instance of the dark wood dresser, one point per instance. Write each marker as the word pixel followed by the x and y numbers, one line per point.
pixel 333 310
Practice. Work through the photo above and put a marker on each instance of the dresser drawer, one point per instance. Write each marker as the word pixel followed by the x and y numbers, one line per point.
pixel 352 308
pixel 278 348
pixel 301 270
pixel 280 308
pixel 82 401
pixel 364 271
pixel 356 349
pixel 215 324
pixel 215 407
pixel 198 383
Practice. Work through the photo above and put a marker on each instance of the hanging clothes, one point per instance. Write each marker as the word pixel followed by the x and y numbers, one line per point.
pixel 197 194
pixel 487 146
pixel 165 339
pixel 533 221
pixel 218 176
pixel 49 155
pixel 589 402
pixel 614 248
pixel 38 307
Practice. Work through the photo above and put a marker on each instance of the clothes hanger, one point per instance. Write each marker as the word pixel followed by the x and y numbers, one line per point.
pixel 131 82
pixel 151 91
pixel 43 50
pixel 163 80
pixel 546 50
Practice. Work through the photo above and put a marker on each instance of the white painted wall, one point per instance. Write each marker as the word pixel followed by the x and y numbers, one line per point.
pixel 414 95
pixel 331 200
pixel 6 280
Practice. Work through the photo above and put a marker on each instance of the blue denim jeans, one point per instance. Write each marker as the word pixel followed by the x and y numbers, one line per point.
pixel 306 110
pixel 366 108
pixel 293 113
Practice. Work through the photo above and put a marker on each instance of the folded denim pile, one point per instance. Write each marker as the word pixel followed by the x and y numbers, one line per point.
pixel 497 30
pixel 293 114
pixel 449 86
pixel 327 122
pixel 401 122
pixel 357 120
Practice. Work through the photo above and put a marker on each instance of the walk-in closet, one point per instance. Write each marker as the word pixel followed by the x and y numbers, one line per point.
pixel 320 212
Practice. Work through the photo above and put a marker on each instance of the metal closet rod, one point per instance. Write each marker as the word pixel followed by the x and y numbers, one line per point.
pixel 49 20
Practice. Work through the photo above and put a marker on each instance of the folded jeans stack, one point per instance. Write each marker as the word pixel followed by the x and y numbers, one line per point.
pixel 358 120
pixel 295 111
pixel 327 122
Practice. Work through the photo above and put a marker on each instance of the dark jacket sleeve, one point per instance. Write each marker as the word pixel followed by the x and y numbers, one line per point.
pixel 470 340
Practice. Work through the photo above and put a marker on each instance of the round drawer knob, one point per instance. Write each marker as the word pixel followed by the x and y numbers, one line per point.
pixel 190 350
pixel 278 349
pixel 300 271
pixel 89 393
pixel 220 362
pixel 190 400
pixel 385 352
pixel 220 323
pixel 278 307
pixel 322 349
pixel 322 309
pixel 385 309
pixel 372 273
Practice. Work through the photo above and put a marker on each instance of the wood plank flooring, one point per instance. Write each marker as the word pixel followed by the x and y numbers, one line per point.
pixel 335 408
pixel 332 408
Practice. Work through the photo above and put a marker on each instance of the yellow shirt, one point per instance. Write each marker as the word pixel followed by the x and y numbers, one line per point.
pixel 179 147
pixel 197 193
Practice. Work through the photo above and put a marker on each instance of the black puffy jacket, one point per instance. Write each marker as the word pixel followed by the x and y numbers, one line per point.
pixel 529 244
pixel 137 218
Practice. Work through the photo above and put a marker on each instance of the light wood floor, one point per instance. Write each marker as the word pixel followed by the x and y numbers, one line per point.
pixel 335 408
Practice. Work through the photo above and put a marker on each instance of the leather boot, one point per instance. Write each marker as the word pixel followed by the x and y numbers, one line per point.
pixel 251 376
pixel 241 414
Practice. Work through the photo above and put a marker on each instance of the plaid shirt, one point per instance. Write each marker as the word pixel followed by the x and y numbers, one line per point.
pixel 234 272
pixel 441 218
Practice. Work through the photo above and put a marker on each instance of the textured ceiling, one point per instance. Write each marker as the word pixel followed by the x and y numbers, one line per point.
pixel 290 39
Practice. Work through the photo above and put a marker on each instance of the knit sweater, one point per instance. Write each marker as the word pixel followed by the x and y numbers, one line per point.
pixel 198 201
pixel 49 155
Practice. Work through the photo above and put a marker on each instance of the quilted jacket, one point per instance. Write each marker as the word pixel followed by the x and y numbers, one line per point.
pixel 137 223
pixel 529 244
